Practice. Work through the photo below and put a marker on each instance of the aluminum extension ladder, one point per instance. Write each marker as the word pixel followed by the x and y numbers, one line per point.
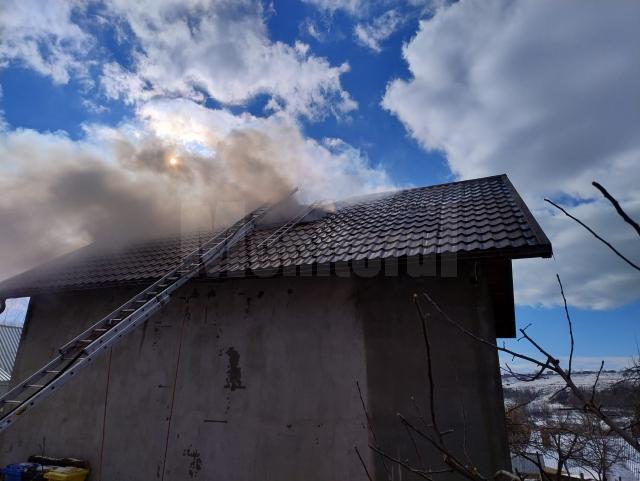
pixel 81 351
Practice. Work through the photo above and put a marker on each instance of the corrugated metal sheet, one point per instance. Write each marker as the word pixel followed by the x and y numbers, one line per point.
pixel 482 216
pixel 9 342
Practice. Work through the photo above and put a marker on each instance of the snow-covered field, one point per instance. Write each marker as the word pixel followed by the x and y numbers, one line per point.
pixel 546 386
pixel 551 382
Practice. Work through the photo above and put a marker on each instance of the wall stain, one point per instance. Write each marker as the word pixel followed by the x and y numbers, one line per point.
pixel 144 335
pixel 195 466
pixel 234 373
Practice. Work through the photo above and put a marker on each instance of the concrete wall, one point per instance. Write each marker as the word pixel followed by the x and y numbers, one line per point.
pixel 256 379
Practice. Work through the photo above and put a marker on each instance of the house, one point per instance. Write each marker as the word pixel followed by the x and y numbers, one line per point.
pixel 268 365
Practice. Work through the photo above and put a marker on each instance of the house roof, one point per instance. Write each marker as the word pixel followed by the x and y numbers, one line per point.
pixel 9 342
pixel 480 217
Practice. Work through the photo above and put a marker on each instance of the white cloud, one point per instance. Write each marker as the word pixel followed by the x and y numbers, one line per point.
pixel 3 122
pixel 379 29
pixel 349 6
pixel 193 49
pixel 545 91
pixel 221 49
pixel 41 36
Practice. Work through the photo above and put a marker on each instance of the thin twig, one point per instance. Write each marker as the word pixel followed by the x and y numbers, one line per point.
pixel 604 241
pixel 595 383
pixel 364 466
pixel 370 426
pixel 553 364
pixel 427 346
pixel 415 447
pixel 617 206
pixel 401 463
pixel 566 312
pixel 449 458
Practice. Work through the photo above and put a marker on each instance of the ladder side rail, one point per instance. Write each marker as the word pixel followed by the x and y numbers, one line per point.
pixel 175 278
pixel 70 372
pixel 41 373
pixel 163 297
pixel 36 376
pixel 130 302
pixel 109 338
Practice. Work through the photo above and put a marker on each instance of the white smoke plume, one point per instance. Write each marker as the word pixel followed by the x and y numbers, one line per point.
pixel 178 166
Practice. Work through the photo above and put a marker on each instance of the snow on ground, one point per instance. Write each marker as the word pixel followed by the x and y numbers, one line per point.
pixel 549 383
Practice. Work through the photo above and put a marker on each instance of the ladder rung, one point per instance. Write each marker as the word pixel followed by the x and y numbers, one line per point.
pixel 51 371
pixel 128 310
pixel 116 319
pixel 100 329
pixel 142 301
pixel 75 356
pixel 12 401
pixel 35 386
pixel 86 341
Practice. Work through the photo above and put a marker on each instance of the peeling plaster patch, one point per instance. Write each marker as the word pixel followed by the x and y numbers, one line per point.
pixel 234 373
pixel 195 466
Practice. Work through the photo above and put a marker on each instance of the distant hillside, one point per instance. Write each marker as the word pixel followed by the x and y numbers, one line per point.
pixel 549 383
pixel 618 398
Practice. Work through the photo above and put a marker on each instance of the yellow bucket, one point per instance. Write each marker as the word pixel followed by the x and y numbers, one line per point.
pixel 66 474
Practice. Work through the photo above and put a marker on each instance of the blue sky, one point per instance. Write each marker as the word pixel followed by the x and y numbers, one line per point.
pixel 350 96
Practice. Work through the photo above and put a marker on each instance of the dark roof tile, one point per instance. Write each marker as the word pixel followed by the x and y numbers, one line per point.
pixel 480 217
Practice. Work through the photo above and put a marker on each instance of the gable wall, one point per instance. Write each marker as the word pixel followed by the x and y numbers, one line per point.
pixel 265 384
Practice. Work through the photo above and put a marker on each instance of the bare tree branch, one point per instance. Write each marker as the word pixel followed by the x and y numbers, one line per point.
pixel 595 383
pixel 566 312
pixel 617 206
pixel 364 466
pixel 552 364
pixel 409 468
pixel 427 345
pixel 370 427
pixel 604 241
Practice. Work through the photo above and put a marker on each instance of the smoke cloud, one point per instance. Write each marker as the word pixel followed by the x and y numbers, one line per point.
pixel 177 167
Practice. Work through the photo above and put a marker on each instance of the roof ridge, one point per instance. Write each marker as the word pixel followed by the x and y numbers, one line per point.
pixel 410 189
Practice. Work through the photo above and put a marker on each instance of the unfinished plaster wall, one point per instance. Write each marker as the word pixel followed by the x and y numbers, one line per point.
pixel 467 385
pixel 256 379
